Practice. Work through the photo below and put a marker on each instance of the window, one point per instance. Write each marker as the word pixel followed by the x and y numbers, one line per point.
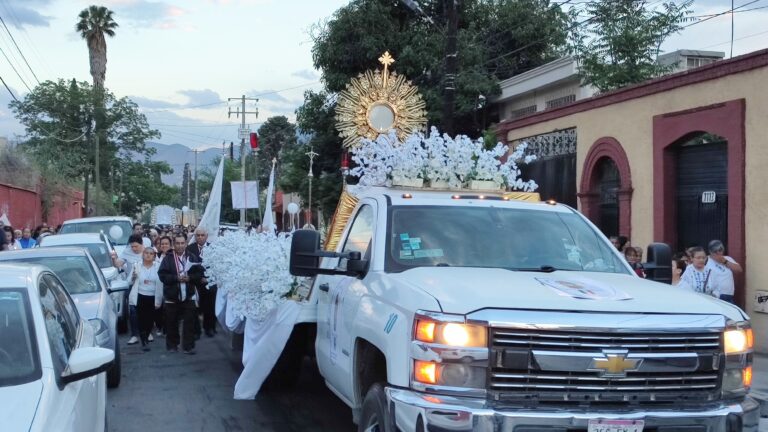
pixel 694 62
pixel 76 272
pixel 118 231
pixel 561 101
pixel 520 112
pixel 496 237
pixel 19 358
pixel 61 332
pixel 359 238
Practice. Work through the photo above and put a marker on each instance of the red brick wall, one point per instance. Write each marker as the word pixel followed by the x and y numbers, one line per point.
pixel 23 207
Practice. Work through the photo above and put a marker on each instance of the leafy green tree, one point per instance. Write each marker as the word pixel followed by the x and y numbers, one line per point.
pixel 620 43
pixel 275 134
pixel 140 185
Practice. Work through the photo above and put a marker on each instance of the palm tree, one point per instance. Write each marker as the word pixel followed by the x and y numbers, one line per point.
pixel 95 22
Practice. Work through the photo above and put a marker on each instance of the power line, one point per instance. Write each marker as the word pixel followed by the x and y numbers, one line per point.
pixel 735 40
pixel 18 49
pixel 14 69
pixel 733 9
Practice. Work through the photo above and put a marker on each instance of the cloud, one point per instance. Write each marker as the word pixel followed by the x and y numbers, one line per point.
pixel 148 103
pixel 307 74
pixel 200 97
pixel 143 13
pixel 268 95
pixel 20 13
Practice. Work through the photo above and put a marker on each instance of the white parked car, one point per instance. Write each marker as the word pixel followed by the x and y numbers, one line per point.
pixel 116 228
pixel 101 249
pixel 52 374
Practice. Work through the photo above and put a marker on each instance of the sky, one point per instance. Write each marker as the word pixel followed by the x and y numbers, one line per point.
pixel 180 60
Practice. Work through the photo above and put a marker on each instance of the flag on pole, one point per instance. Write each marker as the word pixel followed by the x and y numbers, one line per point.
pixel 269 221
pixel 212 215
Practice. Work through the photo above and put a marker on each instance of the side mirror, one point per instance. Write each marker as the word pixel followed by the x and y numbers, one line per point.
pixel 87 362
pixel 119 285
pixel 659 265
pixel 306 254
pixel 304 258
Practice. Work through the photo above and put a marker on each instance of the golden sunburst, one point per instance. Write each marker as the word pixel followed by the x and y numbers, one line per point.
pixel 376 102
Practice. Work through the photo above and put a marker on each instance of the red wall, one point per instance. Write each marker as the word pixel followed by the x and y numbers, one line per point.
pixel 23 207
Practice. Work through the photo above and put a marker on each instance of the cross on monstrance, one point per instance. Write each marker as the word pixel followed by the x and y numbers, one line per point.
pixel 386 60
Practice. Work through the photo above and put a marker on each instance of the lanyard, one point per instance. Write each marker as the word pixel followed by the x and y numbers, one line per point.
pixel 181 262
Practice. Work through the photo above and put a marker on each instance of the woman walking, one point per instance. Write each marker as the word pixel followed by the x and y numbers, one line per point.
pixel 163 247
pixel 147 295
pixel 696 276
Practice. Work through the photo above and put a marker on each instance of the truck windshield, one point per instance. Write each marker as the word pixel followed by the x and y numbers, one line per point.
pixel 510 238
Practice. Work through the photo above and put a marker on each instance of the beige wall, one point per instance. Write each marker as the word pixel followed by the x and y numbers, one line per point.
pixel 631 123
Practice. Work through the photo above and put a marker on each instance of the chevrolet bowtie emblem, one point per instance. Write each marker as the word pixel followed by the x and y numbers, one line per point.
pixel 614 365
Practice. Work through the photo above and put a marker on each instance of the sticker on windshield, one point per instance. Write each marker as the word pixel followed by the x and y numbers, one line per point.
pixel 586 289
pixel 428 253
pixel 404 237
pixel 406 254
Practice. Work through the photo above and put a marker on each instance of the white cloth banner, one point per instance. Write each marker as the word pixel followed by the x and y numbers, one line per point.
pixel 245 198
pixel 164 215
pixel 269 220
pixel 262 346
pixel 227 318
pixel 212 215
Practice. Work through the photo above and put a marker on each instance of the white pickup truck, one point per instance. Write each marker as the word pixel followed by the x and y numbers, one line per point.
pixel 456 311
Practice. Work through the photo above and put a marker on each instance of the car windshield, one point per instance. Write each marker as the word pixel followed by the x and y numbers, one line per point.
pixel 98 251
pixel 19 359
pixel 75 272
pixel 498 237
pixel 118 231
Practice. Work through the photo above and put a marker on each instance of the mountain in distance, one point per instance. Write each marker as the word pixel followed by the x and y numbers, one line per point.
pixel 176 155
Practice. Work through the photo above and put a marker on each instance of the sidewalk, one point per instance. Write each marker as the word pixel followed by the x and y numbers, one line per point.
pixel 760 382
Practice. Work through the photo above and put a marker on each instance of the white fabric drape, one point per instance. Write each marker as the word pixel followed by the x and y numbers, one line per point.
pixel 212 215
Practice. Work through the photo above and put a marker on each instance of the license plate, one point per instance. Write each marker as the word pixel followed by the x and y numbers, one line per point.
pixel 615 426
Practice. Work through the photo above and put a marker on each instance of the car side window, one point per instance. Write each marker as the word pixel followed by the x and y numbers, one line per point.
pixel 71 315
pixel 361 232
pixel 61 334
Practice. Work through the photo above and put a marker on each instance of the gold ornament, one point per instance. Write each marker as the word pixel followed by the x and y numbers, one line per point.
pixel 376 102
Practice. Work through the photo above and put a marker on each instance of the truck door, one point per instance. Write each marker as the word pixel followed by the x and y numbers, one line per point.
pixel 336 307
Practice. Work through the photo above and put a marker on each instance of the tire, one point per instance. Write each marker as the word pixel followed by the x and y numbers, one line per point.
pixel 287 371
pixel 114 373
pixel 122 323
pixel 375 416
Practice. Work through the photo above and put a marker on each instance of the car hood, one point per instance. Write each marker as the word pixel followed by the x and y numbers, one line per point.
pixel 18 405
pixel 463 290
pixel 88 304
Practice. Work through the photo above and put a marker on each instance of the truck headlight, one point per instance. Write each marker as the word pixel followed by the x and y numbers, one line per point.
pixel 738 343
pixel 738 340
pixel 451 333
pixel 449 374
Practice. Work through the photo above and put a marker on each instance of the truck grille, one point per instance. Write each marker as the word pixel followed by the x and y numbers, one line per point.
pixel 516 375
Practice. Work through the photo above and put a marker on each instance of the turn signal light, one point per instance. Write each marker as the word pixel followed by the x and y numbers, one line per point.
pixel 425 331
pixel 425 372
pixel 747 376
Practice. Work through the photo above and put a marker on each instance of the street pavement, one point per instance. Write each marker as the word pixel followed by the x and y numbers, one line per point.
pixel 760 387
pixel 178 392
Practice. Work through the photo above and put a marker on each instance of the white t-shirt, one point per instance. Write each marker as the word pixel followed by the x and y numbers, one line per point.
pixel 721 277
pixel 130 260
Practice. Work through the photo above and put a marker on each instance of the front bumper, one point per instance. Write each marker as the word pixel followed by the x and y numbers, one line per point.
pixel 457 414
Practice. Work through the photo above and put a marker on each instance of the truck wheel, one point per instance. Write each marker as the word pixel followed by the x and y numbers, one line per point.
pixel 375 416
pixel 114 372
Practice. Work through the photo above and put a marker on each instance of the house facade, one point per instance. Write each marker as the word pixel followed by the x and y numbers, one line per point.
pixel 678 159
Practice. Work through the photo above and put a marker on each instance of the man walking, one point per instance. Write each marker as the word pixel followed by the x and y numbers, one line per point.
pixel 138 230
pixel 207 293
pixel 722 268
pixel 180 297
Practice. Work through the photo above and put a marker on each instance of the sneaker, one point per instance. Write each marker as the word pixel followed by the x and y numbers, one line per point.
pixel 150 338
pixel 133 340
pixel 190 352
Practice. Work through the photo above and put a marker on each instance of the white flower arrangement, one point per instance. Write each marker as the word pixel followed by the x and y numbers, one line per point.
pixel 251 270
pixel 440 159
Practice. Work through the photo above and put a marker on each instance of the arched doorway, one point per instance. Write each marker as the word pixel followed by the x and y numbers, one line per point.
pixel 608 185
pixel 701 184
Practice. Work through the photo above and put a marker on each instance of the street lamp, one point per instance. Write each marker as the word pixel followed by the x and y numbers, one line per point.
pixel 311 154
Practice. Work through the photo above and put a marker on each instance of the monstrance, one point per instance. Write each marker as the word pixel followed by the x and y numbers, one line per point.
pixel 379 101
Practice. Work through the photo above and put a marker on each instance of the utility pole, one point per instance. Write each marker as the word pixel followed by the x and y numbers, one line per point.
pixel 244 132
pixel 311 154
pixel 197 201
pixel 451 65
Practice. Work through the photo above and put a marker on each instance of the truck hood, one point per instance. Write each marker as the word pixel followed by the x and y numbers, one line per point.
pixel 18 405
pixel 463 290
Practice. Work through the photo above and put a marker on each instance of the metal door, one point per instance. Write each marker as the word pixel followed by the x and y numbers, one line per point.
pixel 702 194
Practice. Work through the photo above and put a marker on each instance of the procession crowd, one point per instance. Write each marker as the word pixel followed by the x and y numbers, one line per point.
pixel 168 287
